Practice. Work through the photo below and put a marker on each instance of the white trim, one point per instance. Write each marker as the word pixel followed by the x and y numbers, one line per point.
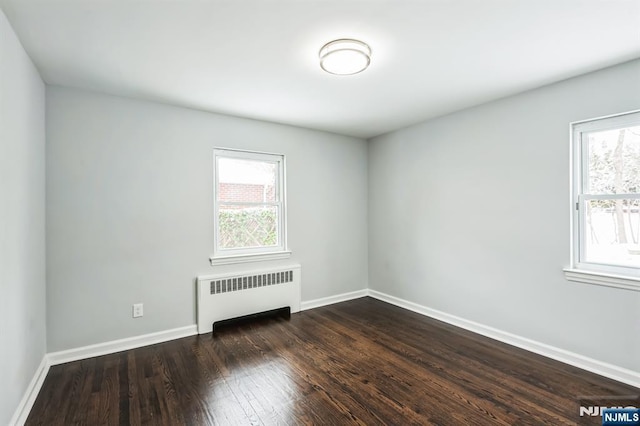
pixel 330 300
pixel 113 346
pixel 598 367
pixel 55 358
pixel 589 364
pixel 244 258
pixel 31 393
pixel 603 279
pixel 280 203
pixel 613 121
pixel 628 196
pixel 609 275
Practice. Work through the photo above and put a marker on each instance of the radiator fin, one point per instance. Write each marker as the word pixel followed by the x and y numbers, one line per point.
pixel 250 281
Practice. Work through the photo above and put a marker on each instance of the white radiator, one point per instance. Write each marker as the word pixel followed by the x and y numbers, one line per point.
pixel 227 296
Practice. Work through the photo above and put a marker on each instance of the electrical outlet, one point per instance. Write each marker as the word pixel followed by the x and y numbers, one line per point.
pixel 137 310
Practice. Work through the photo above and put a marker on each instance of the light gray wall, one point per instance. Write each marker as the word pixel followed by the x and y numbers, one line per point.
pixel 469 214
pixel 129 211
pixel 22 220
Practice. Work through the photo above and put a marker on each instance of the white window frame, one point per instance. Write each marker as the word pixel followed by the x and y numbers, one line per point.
pixel 589 272
pixel 223 256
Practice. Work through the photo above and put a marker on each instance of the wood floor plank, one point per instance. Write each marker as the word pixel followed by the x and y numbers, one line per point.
pixel 362 362
pixel 478 386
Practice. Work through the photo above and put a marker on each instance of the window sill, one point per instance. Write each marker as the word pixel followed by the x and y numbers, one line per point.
pixel 245 258
pixel 603 279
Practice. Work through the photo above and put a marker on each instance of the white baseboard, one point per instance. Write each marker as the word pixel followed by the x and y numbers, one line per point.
pixel 316 303
pixel 113 346
pixel 30 395
pixel 54 358
pixel 598 367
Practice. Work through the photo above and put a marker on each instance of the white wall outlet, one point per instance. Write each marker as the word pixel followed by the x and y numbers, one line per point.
pixel 137 310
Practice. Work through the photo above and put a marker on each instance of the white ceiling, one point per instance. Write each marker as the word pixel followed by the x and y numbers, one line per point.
pixel 258 58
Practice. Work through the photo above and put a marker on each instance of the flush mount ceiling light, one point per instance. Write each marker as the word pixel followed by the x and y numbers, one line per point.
pixel 345 56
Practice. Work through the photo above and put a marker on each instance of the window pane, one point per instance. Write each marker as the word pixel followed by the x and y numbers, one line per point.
pixel 612 232
pixel 246 181
pixel 247 227
pixel 614 161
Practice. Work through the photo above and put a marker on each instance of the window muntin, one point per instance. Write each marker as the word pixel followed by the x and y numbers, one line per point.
pixel 607 194
pixel 249 208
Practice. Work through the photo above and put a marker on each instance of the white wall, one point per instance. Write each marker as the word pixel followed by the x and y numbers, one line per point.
pixel 22 220
pixel 129 211
pixel 469 215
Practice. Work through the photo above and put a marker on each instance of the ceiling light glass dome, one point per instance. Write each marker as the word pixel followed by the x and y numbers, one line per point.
pixel 345 56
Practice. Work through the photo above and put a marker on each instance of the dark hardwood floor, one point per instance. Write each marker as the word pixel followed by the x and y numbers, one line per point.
pixel 357 362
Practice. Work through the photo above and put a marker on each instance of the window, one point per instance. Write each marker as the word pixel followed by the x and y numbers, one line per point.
pixel 249 206
pixel 606 201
